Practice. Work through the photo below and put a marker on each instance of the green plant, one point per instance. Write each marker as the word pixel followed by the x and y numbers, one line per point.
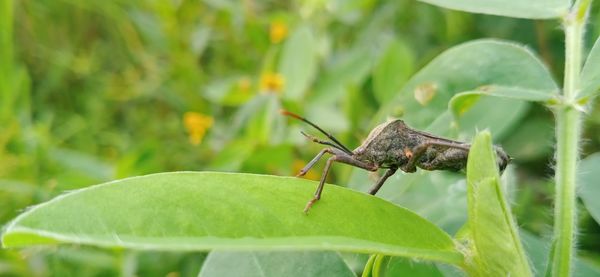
pixel 220 211
pixel 449 96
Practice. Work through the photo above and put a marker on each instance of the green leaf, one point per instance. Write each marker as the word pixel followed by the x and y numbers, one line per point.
pixel 493 240
pixel 398 266
pixel 511 8
pixel 225 211
pixel 462 102
pixel 298 63
pixel 443 192
pixel 393 69
pixel 590 76
pixel 368 269
pixel 467 67
pixel 484 115
pixel 589 190
pixel 301 263
pixel 531 140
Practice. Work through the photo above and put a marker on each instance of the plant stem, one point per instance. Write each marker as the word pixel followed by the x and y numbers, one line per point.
pixel 568 128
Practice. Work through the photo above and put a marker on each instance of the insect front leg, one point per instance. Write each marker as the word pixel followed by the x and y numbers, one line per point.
pixel 321 185
pixel 338 157
pixel 312 162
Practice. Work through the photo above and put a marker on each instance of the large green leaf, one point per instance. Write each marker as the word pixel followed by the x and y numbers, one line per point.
pixel 492 237
pixel 226 211
pixel 437 196
pixel 298 62
pixel 589 190
pixel 266 263
pixel 511 8
pixel 590 76
pixel 467 67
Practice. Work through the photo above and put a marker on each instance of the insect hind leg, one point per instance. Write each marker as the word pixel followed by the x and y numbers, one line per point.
pixel 373 190
pixel 453 159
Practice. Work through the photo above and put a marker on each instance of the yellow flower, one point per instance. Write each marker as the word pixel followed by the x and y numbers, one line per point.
pixel 196 125
pixel 272 82
pixel 278 31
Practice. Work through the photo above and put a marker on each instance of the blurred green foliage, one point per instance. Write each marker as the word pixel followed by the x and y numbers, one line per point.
pixel 93 91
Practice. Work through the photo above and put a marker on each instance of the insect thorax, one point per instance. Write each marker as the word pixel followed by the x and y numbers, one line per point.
pixel 387 144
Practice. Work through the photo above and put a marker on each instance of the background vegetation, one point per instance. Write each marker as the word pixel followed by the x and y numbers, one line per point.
pixel 93 91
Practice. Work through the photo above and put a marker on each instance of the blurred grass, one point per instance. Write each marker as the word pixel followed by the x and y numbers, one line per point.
pixel 92 91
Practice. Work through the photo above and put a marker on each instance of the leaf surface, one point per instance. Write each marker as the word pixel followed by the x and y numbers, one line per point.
pixel 492 236
pixel 463 101
pixel 268 263
pixel 589 188
pixel 229 211
pixel 590 76
pixel 468 67
pixel 511 8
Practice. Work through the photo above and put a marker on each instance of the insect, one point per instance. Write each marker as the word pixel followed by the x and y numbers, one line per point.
pixel 392 146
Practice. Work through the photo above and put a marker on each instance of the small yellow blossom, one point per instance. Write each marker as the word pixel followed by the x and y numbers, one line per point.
pixel 272 82
pixel 278 31
pixel 196 125
pixel 244 84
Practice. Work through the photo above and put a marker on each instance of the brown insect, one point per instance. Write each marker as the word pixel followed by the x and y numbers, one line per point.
pixel 393 145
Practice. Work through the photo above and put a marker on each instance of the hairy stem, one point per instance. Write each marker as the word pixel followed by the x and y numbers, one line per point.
pixel 567 135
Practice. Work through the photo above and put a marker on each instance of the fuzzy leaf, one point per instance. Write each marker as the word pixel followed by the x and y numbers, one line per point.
pixel 493 241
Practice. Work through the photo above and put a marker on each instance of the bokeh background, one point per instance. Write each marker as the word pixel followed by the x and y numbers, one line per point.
pixel 92 91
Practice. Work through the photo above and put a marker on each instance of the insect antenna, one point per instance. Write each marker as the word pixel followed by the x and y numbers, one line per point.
pixel 324 142
pixel 333 139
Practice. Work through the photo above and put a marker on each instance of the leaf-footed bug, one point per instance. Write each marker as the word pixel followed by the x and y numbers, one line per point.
pixel 392 145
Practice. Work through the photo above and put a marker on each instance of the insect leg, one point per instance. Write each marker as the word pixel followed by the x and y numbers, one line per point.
pixel 418 152
pixel 347 159
pixel 310 164
pixel 338 157
pixel 373 190
pixel 321 184
pixel 452 159
pixel 324 142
